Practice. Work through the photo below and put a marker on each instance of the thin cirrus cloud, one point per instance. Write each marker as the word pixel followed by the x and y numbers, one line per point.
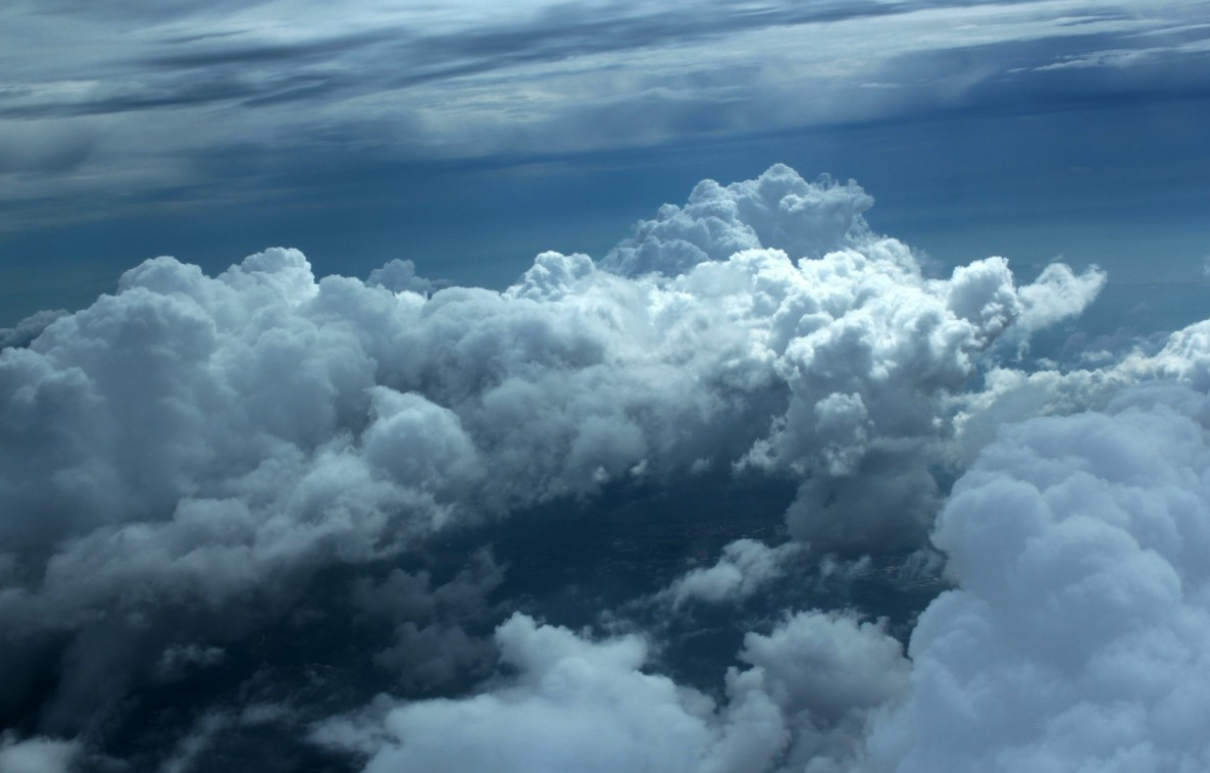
pixel 470 81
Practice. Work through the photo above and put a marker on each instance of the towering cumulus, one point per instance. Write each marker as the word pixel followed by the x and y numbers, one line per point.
pixel 321 521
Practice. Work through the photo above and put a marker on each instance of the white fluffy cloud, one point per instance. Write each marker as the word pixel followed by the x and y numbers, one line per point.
pixel 1078 637
pixel 178 459
pixel 588 705
pixel 745 567
pixel 575 704
pixel 779 210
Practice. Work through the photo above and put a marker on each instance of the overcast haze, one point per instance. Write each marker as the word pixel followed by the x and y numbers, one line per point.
pixel 724 387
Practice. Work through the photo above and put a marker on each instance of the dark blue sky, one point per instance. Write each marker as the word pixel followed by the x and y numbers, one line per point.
pixel 468 137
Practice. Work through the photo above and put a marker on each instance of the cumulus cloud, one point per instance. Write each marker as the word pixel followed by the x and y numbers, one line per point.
pixel 745 567
pixel 1057 294
pixel 779 210
pixel 1078 636
pixel 181 459
pixel 574 704
pixel 827 673
pixel 400 276
pixel 589 705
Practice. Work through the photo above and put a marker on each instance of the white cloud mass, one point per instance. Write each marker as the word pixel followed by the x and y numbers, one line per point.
pixel 181 460
pixel 585 705
pixel 1078 636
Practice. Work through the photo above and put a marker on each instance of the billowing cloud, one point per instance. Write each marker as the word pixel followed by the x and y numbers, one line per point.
pixel 778 210
pixel 583 704
pixel 1078 635
pixel 827 673
pixel 430 647
pixel 574 703
pixel 182 460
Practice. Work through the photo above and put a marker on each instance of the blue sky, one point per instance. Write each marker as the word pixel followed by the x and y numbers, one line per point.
pixel 469 136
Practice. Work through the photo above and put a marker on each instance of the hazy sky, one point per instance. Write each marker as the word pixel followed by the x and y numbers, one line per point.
pixel 468 136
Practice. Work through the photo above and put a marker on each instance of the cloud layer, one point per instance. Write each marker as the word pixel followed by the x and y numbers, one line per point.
pixel 195 463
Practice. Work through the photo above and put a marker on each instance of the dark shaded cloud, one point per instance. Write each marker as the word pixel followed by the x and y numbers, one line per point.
pixel 28 329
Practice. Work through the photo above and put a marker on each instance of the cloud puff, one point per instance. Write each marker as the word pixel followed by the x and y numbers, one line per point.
pixel 1078 635
pixel 36 755
pixel 400 276
pixel 574 704
pixel 589 705
pixel 745 567
pixel 828 673
pixel 430 646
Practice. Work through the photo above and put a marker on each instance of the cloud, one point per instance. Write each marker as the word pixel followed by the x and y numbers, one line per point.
pixel 827 673
pixel 36 755
pixel 575 702
pixel 1058 294
pixel 745 567
pixel 198 46
pixel 430 647
pixel 780 210
pixel 1078 633
pixel 1077 636
pixel 182 460
pixel 46 147
pixel 400 276
pixel 25 331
